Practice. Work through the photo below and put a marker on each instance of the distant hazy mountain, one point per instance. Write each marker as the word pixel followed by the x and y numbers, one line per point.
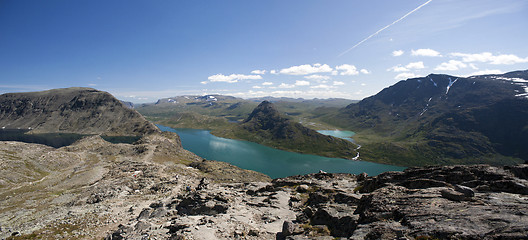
pixel 266 126
pixel 71 110
pixel 195 99
pixel 445 118
pixel 329 102
pixel 233 108
pixel 127 104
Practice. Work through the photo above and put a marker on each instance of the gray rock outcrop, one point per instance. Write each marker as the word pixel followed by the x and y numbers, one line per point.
pixel 149 189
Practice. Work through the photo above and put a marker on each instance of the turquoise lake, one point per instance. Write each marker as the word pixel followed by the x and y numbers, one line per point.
pixel 338 133
pixel 272 162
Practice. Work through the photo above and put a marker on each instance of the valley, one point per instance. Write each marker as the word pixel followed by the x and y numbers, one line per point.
pixel 154 187
pixel 266 124
pixel 434 120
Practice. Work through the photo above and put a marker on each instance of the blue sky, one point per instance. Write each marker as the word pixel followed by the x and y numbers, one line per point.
pixel 144 50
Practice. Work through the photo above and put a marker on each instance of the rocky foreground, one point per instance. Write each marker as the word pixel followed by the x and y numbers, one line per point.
pixel 155 189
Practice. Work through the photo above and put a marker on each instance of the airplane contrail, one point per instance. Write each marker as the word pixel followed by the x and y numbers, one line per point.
pixel 376 33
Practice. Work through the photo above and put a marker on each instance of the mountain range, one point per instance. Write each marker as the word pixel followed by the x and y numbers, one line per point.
pixel 442 119
pixel 438 119
pixel 153 188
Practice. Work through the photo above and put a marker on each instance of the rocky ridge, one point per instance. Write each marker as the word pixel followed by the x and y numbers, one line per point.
pixel 155 189
pixel 84 190
pixel 463 202
pixel 71 110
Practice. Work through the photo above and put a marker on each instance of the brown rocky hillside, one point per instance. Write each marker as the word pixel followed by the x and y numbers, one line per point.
pixel 71 110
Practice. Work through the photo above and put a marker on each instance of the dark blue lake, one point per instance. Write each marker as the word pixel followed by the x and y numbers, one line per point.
pixel 55 140
pixel 272 162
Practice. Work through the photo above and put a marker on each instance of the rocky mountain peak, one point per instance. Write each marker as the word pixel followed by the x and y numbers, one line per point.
pixel 267 126
pixel 264 109
pixel 266 115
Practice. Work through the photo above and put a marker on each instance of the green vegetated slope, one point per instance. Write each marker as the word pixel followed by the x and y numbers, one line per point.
pixel 441 119
pixel 228 117
pixel 229 108
pixel 265 125
pixel 206 112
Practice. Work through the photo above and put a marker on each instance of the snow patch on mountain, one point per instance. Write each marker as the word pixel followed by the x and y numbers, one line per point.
pixel 436 85
pixel 515 80
pixel 451 82
pixel 426 106
pixel 523 83
pixel 525 94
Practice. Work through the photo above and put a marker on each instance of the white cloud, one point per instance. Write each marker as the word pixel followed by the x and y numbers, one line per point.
pixel 451 65
pixel 301 83
pixel 397 53
pixel 306 69
pixel 274 72
pixel 338 83
pixel 364 71
pixel 477 57
pixel 334 73
pixel 487 57
pixel 398 68
pixel 92 84
pixel 487 71
pixel 323 86
pixel 347 69
pixel 363 84
pixel 317 77
pixel 308 94
pixel 267 83
pixel 415 65
pixel 258 72
pixel 203 82
pixel 233 78
pixel 508 59
pixel 473 66
pixel 402 76
pixel 408 67
pixel 257 87
pixel 426 52
pixel 284 85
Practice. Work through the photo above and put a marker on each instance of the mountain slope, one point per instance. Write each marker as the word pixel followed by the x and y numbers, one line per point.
pixel 444 119
pixel 266 126
pixel 71 110
pixel 181 111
